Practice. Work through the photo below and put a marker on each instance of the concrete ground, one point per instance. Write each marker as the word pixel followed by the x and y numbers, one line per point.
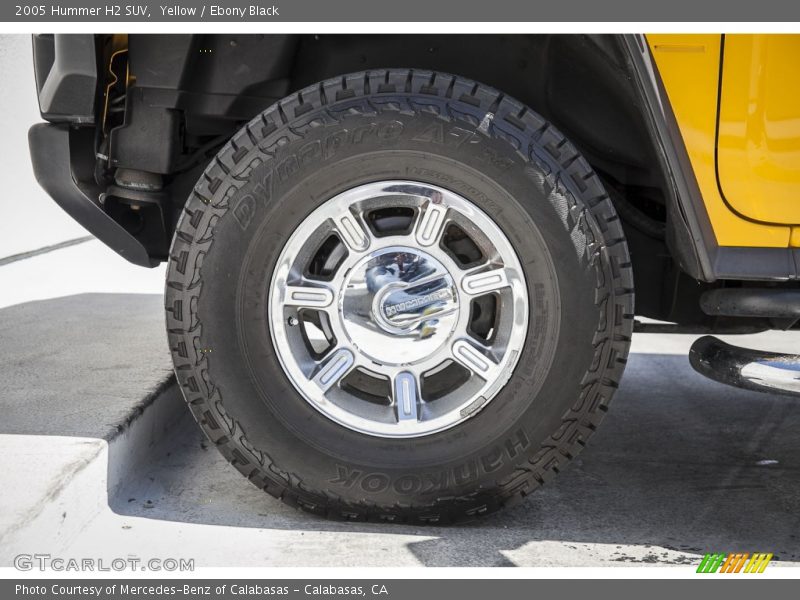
pixel 99 457
pixel 70 369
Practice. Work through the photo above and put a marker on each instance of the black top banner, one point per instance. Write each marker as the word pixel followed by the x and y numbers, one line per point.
pixel 440 11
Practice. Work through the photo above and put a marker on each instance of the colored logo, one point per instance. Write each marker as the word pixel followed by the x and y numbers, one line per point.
pixel 735 562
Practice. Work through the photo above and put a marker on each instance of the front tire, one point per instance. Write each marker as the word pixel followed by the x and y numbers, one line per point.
pixel 247 235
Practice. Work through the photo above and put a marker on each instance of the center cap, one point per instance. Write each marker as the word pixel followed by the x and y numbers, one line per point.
pixel 399 305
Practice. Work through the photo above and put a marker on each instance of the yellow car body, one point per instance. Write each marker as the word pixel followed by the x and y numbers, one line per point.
pixel 735 100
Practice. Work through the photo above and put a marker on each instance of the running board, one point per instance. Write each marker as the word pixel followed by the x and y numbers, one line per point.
pixel 769 372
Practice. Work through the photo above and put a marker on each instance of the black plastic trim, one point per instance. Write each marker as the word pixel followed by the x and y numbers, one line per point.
pixel 51 155
pixel 68 89
pixel 772 303
pixel 756 264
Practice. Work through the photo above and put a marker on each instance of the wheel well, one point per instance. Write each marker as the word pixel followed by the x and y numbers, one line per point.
pixel 578 82
pixel 208 85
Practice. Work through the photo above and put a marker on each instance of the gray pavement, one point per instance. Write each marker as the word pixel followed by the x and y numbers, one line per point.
pixel 81 365
pixel 86 393
pixel 681 466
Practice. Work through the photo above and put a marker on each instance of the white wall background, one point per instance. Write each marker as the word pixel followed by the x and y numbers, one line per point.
pixel 29 219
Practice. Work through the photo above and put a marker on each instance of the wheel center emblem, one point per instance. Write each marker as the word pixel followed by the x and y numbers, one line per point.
pixel 407 307
pixel 416 303
pixel 400 305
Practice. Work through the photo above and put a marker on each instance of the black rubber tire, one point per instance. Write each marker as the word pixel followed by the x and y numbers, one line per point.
pixel 399 124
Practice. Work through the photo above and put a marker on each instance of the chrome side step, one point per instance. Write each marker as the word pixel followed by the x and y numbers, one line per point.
pixel 769 372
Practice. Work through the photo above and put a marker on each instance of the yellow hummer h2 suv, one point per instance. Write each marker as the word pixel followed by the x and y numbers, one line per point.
pixel 401 269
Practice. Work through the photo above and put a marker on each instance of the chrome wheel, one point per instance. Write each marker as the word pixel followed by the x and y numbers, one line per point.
pixel 398 309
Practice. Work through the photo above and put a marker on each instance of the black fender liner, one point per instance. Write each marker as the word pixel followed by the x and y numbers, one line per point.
pixel 52 156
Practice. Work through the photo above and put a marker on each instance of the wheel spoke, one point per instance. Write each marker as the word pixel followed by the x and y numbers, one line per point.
pixel 484 282
pixel 473 359
pixel 406 396
pixel 307 296
pixel 431 223
pixel 352 232
pixel 334 368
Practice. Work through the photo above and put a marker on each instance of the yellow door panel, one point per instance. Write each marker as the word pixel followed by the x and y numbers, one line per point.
pixel 689 67
pixel 758 150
